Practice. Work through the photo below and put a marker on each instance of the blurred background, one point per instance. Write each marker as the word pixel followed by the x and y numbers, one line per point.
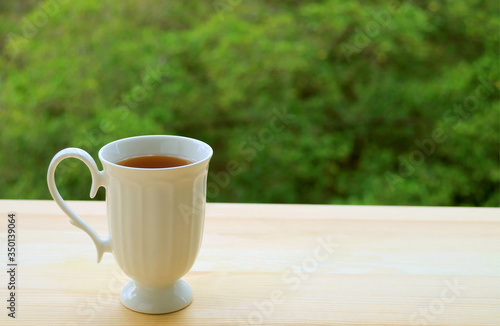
pixel 328 102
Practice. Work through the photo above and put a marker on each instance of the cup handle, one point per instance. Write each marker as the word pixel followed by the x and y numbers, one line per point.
pixel 98 180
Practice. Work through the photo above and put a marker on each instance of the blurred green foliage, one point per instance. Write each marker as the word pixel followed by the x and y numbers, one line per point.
pixel 343 102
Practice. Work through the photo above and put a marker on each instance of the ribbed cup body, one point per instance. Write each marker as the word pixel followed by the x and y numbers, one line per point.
pixel 156 221
pixel 156 216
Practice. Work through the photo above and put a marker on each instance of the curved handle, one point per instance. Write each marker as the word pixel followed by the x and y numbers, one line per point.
pixel 98 180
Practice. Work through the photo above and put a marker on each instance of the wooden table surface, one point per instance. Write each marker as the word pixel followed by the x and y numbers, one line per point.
pixel 272 265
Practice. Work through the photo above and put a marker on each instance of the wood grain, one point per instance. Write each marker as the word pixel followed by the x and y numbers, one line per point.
pixel 322 265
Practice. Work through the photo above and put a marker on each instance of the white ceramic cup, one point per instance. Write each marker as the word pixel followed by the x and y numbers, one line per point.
pixel 155 216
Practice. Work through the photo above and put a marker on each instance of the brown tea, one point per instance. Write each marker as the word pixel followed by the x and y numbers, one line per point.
pixel 153 162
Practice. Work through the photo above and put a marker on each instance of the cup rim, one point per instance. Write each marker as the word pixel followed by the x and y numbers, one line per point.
pixel 100 153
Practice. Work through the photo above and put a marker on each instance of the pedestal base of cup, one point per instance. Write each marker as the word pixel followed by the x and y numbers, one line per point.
pixel 156 301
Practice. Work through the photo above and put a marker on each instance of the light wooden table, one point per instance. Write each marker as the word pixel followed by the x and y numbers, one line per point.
pixel 273 265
